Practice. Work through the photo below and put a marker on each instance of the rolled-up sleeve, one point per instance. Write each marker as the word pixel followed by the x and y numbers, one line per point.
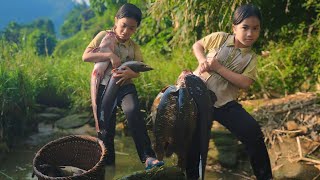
pixel 251 70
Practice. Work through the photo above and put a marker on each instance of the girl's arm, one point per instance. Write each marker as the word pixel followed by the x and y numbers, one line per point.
pixel 236 79
pixel 212 64
pixel 198 51
pixel 89 56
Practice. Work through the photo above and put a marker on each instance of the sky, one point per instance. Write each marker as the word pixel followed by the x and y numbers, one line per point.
pixel 26 11
pixel 82 1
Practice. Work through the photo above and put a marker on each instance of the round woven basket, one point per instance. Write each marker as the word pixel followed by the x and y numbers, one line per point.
pixel 84 152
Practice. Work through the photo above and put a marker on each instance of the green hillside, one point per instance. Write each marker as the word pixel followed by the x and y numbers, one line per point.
pixel 24 12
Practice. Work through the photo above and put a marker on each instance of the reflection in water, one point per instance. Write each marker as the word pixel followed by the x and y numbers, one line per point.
pixel 17 165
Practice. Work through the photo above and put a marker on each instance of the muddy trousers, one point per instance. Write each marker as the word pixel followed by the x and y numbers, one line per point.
pixel 247 130
pixel 127 99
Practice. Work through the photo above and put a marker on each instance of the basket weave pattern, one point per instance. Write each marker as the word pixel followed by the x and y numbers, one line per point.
pixel 84 152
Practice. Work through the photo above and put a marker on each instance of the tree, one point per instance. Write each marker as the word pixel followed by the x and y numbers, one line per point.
pixel 12 32
pixel 189 20
pixel 44 25
pixel 42 42
pixel 76 20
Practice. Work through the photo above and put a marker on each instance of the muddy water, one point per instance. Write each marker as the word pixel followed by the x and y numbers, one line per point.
pixel 18 163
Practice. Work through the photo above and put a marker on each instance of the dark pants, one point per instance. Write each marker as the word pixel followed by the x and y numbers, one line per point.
pixel 127 99
pixel 240 123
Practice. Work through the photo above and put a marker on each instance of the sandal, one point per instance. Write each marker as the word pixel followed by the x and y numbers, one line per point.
pixel 150 163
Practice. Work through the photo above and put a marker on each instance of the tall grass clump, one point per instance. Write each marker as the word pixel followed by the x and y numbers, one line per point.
pixel 290 67
pixel 19 83
pixel 71 76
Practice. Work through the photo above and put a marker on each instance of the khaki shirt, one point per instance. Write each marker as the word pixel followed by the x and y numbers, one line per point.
pixel 239 60
pixel 126 51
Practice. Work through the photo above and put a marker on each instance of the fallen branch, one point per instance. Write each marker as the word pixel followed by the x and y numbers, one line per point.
pixel 311 116
pixel 314 149
pixel 279 138
pixel 313 101
pixel 301 158
pixel 286 131
pixel 299 147
pixel 7 176
pixel 277 167
pixel 309 160
pixel 315 178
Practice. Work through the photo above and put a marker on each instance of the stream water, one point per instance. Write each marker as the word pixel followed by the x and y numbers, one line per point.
pixel 17 165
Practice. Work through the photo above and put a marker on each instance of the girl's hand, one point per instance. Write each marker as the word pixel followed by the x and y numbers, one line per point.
pixel 213 64
pixel 204 67
pixel 125 74
pixel 115 61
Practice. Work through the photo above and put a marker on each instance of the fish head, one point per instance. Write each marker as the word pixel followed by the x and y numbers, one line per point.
pixel 138 66
pixel 181 79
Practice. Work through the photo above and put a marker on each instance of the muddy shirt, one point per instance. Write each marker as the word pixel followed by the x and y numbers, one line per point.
pixel 240 60
pixel 126 51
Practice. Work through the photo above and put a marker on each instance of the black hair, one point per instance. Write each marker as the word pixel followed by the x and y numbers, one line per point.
pixel 129 11
pixel 245 11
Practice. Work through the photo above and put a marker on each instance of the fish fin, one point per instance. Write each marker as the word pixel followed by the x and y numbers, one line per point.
pixel 95 81
pixel 164 89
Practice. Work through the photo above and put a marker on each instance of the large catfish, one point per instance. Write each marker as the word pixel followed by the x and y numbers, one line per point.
pixel 112 87
pixel 174 121
pixel 164 120
pixel 204 99
pixel 106 45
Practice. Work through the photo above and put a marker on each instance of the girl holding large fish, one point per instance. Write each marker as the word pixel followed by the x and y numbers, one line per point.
pixel 227 64
pixel 117 60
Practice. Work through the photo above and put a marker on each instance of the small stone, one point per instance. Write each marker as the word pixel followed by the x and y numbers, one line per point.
pixel 291 125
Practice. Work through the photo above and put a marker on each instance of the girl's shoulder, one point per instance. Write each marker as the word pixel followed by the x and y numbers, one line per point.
pixel 133 43
pixel 219 34
pixel 103 33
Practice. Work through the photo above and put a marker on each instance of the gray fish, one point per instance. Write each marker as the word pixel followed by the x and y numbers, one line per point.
pixel 185 125
pixel 174 115
pixel 60 171
pixel 106 45
pixel 50 170
pixel 112 88
pixel 164 121
pixel 204 99
pixel 71 170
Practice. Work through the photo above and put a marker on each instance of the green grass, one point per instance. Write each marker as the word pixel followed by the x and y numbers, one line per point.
pixel 25 77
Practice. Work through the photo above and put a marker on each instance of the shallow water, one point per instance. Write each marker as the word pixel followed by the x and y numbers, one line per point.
pixel 17 165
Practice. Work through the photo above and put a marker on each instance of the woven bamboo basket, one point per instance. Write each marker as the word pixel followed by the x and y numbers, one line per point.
pixel 85 152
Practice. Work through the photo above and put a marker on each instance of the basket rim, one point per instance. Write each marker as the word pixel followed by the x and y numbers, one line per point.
pixel 100 163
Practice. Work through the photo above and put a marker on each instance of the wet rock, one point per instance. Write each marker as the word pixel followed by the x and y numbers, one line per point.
pixel 291 125
pixel 84 130
pixel 168 173
pixel 223 147
pixel 47 117
pixel 284 159
pixel 295 171
pixel 73 121
pixel 55 110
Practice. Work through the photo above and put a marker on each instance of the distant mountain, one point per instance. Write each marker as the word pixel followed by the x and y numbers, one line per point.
pixel 26 11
